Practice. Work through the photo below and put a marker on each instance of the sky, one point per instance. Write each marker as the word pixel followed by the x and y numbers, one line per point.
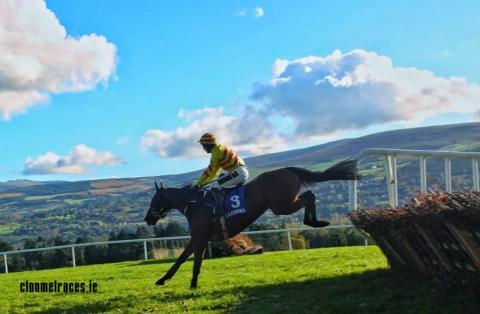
pixel 111 89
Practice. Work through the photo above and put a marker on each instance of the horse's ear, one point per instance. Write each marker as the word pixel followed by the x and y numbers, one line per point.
pixel 161 184
pixel 156 186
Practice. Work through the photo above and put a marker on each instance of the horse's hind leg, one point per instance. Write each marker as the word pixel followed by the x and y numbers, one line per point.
pixel 310 216
pixel 306 200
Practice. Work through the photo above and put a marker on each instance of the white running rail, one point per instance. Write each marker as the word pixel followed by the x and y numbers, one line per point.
pixel 390 157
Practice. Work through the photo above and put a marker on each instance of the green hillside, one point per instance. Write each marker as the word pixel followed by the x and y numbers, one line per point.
pixel 425 138
pixel 334 280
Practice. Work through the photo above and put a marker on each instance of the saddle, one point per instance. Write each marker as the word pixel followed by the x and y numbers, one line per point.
pixel 209 195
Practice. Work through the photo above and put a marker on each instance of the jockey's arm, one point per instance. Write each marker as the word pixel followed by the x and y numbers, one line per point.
pixel 210 173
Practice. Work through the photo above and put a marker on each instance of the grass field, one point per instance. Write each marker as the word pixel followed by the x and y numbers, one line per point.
pixel 334 280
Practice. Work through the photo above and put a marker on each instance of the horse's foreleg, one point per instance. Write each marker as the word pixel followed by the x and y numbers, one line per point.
pixel 199 250
pixel 182 258
pixel 310 216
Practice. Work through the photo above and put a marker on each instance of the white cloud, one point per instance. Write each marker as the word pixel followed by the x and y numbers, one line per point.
pixel 73 163
pixel 358 89
pixel 316 98
pixel 259 12
pixel 37 57
pixel 248 133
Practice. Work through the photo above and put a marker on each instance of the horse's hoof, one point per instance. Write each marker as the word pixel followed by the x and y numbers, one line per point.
pixel 318 223
pixel 160 282
pixel 193 284
pixel 322 223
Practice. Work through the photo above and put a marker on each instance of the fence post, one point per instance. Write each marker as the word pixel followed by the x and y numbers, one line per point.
pixel 352 195
pixel 423 174
pixel 366 242
pixel 6 263
pixel 476 184
pixel 145 249
pixel 73 256
pixel 289 240
pixel 210 253
pixel 391 167
pixel 448 175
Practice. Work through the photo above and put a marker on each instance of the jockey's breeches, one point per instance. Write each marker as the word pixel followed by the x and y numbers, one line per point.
pixel 238 175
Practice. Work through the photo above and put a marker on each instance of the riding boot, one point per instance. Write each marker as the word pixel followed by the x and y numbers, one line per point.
pixel 219 195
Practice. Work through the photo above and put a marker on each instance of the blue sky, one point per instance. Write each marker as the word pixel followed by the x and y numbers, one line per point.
pixel 161 58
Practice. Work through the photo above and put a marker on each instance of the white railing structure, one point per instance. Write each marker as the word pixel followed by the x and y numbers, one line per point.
pixel 390 157
pixel 145 256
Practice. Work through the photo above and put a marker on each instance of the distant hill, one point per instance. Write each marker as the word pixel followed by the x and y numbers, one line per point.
pixel 426 138
pixel 11 184
pixel 289 157
pixel 95 207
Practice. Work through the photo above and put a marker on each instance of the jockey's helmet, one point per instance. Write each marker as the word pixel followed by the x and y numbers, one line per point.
pixel 208 138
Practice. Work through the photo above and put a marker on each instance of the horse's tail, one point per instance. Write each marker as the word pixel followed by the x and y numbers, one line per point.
pixel 344 170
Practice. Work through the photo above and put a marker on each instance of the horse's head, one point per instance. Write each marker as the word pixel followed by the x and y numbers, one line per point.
pixel 160 206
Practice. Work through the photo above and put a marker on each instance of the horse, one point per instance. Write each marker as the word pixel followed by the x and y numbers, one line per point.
pixel 278 190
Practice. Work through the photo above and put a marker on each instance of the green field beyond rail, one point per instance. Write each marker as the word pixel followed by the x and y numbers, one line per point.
pixel 334 280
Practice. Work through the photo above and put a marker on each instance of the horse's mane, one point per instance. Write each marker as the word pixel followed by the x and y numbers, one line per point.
pixel 188 186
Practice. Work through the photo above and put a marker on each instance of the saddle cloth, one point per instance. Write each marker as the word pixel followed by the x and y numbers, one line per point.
pixel 233 202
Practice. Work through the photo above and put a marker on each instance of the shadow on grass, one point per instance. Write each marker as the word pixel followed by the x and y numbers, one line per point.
pixel 381 291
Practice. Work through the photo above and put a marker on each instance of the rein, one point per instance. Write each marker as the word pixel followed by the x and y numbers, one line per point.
pixel 187 201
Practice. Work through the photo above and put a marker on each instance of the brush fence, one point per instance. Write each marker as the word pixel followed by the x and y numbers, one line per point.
pixel 435 235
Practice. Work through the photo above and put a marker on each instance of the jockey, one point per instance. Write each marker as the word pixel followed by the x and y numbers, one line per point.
pixel 225 160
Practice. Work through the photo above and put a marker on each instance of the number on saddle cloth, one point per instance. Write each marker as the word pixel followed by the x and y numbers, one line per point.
pixel 233 203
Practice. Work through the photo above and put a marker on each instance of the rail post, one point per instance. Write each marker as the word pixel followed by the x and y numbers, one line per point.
pixel 210 253
pixel 448 175
pixel 289 240
pixel 476 184
pixel 391 167
pixel 352 195
pixel 423 174
pixel 145 249
pixel 73 256
pixel 6 262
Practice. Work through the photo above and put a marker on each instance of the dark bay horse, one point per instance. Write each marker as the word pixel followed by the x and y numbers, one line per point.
pixel 278 190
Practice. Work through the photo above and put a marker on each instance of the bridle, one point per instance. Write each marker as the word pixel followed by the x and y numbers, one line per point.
pixel 159 215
